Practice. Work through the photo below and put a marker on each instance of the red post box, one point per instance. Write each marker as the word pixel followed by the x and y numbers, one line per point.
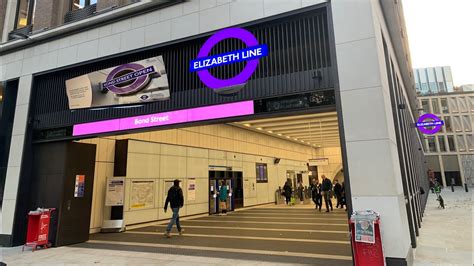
pixel 366 240
pixel 38 228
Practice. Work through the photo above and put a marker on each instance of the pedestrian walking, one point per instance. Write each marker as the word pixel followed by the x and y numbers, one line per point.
pixel 316 193
pixel 223 194
pixel 176 201
pixel 338 193
pixel 301 191
pixel 343 196
pixel 287 192
pixel 326 190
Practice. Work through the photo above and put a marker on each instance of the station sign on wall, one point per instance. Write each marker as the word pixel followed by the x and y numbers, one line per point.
pixel 251 55
pixel 429 124
pixel 137 82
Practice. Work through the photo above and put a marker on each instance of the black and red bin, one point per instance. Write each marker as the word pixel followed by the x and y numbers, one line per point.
pixel 38 228
pixel 366 239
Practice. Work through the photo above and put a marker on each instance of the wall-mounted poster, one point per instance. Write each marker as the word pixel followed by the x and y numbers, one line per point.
pixel 191 189
pixel 142 194
pixel 137 82
pixel 115 192
pixel 79 186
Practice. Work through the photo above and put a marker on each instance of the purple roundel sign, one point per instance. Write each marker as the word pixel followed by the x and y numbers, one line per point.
pixel 251 54
pixel 129 78
pixel 429 124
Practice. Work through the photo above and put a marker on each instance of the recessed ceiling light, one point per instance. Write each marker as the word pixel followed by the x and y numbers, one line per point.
pixel 247 125
pixel 259 128
pixel 269 131
pixel 287 137
pixel 279 134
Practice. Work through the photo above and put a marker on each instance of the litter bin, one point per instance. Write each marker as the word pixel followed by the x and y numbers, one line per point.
pixel 38 228
pixel 366 239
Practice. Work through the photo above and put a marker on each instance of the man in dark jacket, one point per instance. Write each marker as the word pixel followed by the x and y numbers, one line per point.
pixel 287 192
pixel 316 194
pixel 176 200
pixel 338 193
pixel 326 188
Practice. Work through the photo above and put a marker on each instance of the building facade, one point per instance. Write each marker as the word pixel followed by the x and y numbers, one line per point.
pixel 433 80
pixel 450 152
pixel 339 55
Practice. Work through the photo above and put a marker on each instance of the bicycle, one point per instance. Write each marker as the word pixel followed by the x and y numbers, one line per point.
pixel 437 190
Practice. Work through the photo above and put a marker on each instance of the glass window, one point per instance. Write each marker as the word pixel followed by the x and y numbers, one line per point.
pixel 25 13
pixel 453 105
pixel 435 104
pixel 467 123
pixel 451 145
pixel 471 103
pixel 461 143
pixel 444 106
pixel 457 124
pixel 431 144
pixel 447 124
pixel 262 173
pixel 78 4
pixel 442 144
pixel 425 104
pixel 463 105
pixel 470 142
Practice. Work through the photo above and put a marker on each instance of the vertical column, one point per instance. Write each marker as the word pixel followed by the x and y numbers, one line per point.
pixel 441 168
pixel 16 154
pixel 369 131
pixel 9 19
pixel 461 169
pixel 48 13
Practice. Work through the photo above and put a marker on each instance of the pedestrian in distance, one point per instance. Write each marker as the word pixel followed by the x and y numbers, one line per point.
pixel 338 193
pixel 343 196
pixel 316 193
pixel 176 200
pixel 326 190
pixel 301 191
pixel 287 192
pixel 223 194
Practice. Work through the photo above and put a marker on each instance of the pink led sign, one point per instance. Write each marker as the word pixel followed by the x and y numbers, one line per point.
pixel 167 118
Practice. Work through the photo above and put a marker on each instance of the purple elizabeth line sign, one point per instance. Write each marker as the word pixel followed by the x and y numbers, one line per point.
pixel 429 124
pixel 166 118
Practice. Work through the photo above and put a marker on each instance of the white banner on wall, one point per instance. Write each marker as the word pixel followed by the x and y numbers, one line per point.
pixel 115 193
pixel 192 189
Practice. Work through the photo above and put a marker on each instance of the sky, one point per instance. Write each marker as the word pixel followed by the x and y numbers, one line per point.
pixel 441 33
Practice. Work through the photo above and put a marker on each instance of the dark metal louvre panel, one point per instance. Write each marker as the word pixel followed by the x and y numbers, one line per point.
pixel 298 54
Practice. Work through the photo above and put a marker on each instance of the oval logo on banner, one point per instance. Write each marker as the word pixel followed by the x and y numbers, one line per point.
pixel 429 124
pixel 128 78
pixel 251 54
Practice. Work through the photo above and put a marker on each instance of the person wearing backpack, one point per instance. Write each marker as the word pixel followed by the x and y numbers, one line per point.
pixel 326 188
pixel 176 200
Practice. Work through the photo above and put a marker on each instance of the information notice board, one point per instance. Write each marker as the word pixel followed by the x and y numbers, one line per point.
pixel 115 192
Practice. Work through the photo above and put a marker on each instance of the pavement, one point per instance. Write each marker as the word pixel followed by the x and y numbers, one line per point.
pixel 267 235
pixel 447 235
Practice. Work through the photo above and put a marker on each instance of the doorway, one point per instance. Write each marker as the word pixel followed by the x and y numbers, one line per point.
pixel 234 182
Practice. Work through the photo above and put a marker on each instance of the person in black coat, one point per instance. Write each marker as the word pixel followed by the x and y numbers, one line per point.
pixel 326 189
pixel 176 200
pixel 287 192
pixel 338 193
pixel 316 193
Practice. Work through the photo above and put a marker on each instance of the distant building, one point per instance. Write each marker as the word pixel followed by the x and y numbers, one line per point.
pixel 467 87
pixel 450 152
pixel 433 80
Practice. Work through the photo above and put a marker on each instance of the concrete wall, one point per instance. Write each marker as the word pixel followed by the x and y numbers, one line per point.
pixel 187 153
pixel 371 144
pixel 172 23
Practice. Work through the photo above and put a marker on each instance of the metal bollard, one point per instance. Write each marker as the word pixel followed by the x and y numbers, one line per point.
pixel 452 184
pixel 465 187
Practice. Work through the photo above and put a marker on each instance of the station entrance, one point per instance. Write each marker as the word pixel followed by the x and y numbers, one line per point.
pixel 254 158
